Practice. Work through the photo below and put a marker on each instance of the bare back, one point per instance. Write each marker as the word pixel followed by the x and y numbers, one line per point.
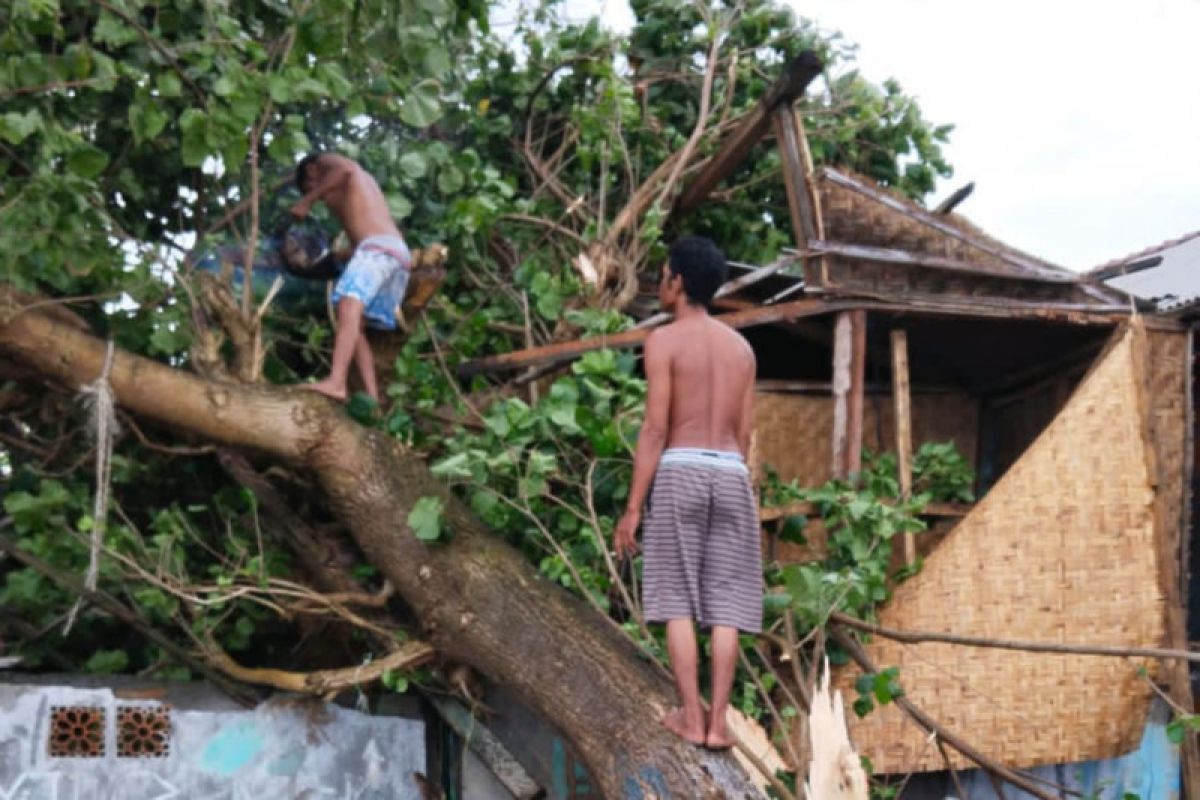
pixel 359 204
pixel 712 384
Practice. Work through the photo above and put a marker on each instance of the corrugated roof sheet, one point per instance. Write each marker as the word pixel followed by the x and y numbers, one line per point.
pixel 1171 284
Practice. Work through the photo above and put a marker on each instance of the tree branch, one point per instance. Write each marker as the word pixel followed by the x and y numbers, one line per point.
pixel 916 637
pixel 326 681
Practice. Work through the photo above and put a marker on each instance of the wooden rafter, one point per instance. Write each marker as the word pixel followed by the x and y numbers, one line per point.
pixel 812 307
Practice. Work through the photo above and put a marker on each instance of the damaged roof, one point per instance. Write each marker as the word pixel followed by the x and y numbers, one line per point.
pixel 1167 274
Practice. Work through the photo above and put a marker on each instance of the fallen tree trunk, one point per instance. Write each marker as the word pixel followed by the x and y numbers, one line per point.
pixel 478 600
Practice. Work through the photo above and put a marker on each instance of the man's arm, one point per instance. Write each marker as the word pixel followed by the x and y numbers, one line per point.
pixel 335 176
pixel 651 441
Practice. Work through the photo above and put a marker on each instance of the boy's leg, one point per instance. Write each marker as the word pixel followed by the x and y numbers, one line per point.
pixel 364 361
pixel 688 720
pixel 345 341
pixel 724 660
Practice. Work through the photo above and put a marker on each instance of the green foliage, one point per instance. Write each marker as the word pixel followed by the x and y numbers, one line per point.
pixel 1182 725
pixel 107 662
pixel 553 477
pixel 861 520
pixel 942 472
pixel 877 688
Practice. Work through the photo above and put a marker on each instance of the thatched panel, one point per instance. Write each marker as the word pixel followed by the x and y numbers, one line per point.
pixel 897 281
pixel 856 217
pixel 1063 549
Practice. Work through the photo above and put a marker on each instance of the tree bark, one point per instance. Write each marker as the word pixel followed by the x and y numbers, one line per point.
pixel 478 600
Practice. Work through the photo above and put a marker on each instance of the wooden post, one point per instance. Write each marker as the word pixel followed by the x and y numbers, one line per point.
pixel 849 360
pixel 903 415
pixel 858 382
pixel 791 151
pixel 842 345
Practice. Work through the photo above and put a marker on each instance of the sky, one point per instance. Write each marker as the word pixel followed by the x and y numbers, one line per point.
pixel 1078 120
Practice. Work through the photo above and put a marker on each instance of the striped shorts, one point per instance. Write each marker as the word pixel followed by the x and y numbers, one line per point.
pixel 701 542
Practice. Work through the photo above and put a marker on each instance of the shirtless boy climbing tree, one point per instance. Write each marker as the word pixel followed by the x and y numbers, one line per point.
pixel 373 284
pixel 703 561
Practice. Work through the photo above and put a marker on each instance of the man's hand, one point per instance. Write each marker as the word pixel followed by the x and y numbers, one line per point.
pixel 300 210
pixel 625 536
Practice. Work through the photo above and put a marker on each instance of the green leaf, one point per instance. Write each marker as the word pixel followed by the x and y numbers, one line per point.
pixel 16 128
pixel 399 206
pixel 362 408
pixel 450 180
pixel 776 601
pixel 224 86
pixel 169 85
pixel 422 106
pixel 455 466
pixel 863 706
pixel 146 120
pixel 107 662
pixel 31 511
pixel 793 529
pixel 280 88
pixel 169 340
pixel 413 165
pixel 194 124
pixel 425 519
pixel 110 30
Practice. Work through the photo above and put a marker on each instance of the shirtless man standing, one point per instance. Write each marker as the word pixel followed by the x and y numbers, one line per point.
pixel 703 559
pixel 374 281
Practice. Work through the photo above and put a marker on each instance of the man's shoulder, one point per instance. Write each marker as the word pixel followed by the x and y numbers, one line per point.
pixel 661 338
pixel 734 335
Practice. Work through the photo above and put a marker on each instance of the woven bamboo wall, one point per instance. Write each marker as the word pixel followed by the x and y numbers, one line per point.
pixel 794 432
pixel 1062 550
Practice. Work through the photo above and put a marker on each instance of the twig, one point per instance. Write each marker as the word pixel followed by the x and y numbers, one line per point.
pixel 915 637
pixel 45 87
pixel 545 223
pixel 437 352
pixel 613 572
pixel 797 763
pixel 174 450
pixel 950 767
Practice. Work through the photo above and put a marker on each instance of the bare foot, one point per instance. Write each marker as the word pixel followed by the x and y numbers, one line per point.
pixel 718 736
pixel 327 388
pixel 676 723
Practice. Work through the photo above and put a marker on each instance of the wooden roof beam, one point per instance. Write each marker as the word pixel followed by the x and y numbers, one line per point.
pixel 796 77
pixel 811 307
pixel 907 258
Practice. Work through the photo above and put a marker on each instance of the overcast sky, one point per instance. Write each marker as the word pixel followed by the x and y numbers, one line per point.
pixel 1078 120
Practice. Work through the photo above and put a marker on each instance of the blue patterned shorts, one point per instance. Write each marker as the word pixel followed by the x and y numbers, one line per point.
pixel 377 276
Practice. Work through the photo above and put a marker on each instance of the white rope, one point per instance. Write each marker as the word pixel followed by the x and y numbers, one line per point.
pixel 98 396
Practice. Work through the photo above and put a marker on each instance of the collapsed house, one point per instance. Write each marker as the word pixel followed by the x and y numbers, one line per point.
pixel 890 325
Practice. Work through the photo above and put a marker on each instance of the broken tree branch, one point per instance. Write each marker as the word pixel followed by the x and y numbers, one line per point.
pixel 751 127
pixel 325 681
pixel 859 655
pixel 111 605
pixel 916 637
